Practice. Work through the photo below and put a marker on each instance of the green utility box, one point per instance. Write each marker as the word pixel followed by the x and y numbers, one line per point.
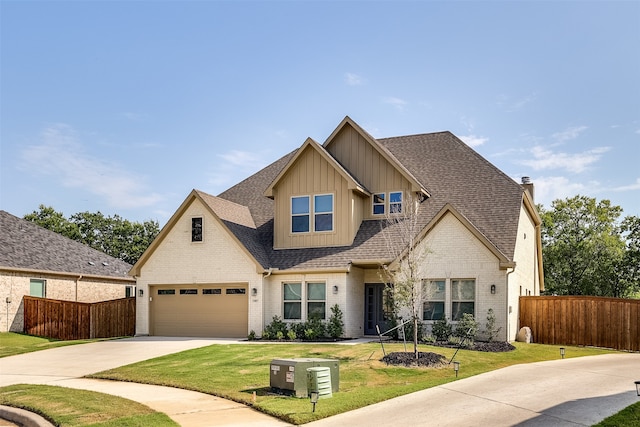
pixel 289 376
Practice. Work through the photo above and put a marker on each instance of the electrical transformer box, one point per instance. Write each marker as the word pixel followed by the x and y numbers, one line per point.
pixel 289 376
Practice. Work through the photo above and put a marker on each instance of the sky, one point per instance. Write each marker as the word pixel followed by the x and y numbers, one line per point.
pixel 124 107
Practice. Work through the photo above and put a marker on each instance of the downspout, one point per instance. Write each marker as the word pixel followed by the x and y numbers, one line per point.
pixel 509 309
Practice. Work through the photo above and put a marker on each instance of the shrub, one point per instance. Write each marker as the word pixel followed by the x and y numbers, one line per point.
pixel 442 329
pixel 335 327
pixel 279 336
pixel 408 331
pixel 291 335
pixel 466 328
pixel 276 325
pixel 491 330
pixel 314 328
pixel 299 328
pixel 252 335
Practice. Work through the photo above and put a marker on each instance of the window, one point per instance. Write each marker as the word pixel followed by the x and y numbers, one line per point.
pixel 434 297
pixel 236 291
pixel 293 301
pixel 129 291
pixel 196 229
pixel 395 202
pixel 212 291
pixel 462 298
pixel 316 296
pixel 188 292
pixel 38 288
pixel 323 212
pixel 378 203
pixel 300 214
pixel 166 291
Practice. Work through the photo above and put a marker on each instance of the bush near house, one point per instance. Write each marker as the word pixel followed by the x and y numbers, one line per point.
pixel 313 329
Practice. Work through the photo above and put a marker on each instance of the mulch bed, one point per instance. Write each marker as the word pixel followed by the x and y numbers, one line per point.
pixel 433 360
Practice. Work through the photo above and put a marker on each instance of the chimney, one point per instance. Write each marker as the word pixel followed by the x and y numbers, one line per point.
pixel 528 186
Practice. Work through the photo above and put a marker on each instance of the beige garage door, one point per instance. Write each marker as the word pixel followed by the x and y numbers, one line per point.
pixel 200 311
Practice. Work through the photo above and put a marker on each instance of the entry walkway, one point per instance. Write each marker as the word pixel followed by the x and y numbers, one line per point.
pixel 569 392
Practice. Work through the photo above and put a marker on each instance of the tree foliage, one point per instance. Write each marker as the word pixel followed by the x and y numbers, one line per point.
pixel 113 235
pixel 587 250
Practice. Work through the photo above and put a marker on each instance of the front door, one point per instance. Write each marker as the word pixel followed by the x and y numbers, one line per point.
pixel 377 308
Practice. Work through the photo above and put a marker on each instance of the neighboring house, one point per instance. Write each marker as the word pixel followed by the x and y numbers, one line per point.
pixel 304 233
pixel 38 262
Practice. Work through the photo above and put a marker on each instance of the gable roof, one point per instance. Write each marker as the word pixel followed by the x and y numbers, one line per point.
pixel 232 216
pixel 352 183
pixel 25 246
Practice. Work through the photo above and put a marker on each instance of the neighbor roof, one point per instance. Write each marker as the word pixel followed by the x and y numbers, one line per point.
pixel 458 179
pixel 26 246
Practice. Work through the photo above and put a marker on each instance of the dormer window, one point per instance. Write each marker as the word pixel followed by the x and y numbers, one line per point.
pixel 322 209
pixel 196 229
pixel 379 203
pixel 300 214
pixel 395 202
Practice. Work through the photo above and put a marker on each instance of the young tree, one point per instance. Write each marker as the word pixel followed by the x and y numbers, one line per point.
pixel 583 248
pixel 401 230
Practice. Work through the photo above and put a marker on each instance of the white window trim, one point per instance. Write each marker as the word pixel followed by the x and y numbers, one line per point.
pixel 291 215
pixel 383 204
pixel 448 298
pixel 396 203
pixel 333 215
pixel 201 231
pixel 304 299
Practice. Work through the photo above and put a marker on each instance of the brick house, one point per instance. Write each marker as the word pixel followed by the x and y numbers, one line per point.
pixel 37 262
pixel 304 233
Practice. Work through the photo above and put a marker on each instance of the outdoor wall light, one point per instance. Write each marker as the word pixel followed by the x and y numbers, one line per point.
pixel 335 289
pixel 254 291
pixel 638 387
pixel 493 289
pixel 313 395
pixel 562 352
pixel 456 367
pixel 140 292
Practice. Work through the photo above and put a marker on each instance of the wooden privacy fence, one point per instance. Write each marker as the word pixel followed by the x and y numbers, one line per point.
pixel 583 321
pixel 70 320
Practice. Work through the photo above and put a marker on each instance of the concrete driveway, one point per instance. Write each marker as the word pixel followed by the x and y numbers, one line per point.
pixel 569 392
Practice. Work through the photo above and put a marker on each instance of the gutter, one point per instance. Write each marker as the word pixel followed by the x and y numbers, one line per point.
pixel 509 309
pixel 126 279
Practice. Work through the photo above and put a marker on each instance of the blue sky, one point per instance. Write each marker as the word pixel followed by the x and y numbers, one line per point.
pixel 123 107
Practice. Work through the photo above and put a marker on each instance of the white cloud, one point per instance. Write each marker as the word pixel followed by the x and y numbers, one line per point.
pixel 396 102
pixel 237 165
pixel 545 158
pixel 631 187
pixel 548 189
pixel 569 133
pixel 353 79
pixel 61 155
pixel 473 141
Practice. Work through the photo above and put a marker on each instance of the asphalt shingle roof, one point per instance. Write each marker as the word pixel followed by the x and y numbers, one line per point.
pixel 25 245
pixel 451 171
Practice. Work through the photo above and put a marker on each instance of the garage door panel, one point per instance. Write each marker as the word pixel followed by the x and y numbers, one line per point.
pixel 204 310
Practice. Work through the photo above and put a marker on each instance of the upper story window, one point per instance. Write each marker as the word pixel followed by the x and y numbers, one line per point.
pixel 196 229
pixel 395 202
pixel 379 203
pixel 300 214
pixel 323 212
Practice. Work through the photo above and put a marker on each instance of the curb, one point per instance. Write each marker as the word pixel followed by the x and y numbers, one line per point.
pixel 22 417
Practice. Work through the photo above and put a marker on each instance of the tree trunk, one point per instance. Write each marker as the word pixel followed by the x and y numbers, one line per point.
pixel 415 336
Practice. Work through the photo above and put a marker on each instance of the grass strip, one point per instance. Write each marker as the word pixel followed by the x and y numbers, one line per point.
pixel 68 407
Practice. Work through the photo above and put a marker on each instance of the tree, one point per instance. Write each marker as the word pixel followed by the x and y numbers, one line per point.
pixel 115 236
pixel 584 249
pixel 401 230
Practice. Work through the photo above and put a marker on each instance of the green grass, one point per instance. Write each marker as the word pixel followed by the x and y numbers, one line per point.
pixel 12 343
pixel 70 407
pixel 236 371
pixel 628 417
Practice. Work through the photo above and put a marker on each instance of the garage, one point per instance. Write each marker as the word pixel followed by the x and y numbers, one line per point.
pixel 215 310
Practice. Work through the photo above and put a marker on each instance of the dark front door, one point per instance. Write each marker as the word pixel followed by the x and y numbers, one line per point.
pixel 376 308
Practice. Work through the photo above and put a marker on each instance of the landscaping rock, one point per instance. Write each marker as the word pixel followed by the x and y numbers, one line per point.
pixel 524 335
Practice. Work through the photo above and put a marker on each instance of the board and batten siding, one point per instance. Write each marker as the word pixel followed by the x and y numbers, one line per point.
pixel 366 163
pixel 313 175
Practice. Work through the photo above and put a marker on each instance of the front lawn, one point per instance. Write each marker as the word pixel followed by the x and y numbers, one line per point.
pixel 236 371
pixel 69 407
pixel 12 343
